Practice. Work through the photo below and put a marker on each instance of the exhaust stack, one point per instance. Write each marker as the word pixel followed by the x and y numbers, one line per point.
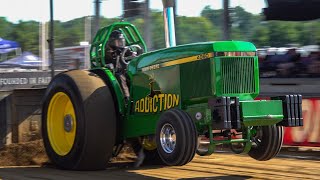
pixel 169 28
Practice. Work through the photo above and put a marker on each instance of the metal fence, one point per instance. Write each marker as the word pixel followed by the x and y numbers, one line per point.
pixel 3 120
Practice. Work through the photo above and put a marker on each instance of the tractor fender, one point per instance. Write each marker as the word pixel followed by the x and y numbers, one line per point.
pixel 114 86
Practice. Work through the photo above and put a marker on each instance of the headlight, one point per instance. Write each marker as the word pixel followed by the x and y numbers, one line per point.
pixel 251 53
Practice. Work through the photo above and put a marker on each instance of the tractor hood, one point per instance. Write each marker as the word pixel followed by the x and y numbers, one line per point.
pixel 233 46
pixel 201 70
pixel 188 50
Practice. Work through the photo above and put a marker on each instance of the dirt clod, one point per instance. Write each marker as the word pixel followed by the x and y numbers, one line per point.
pixel 33 153
pixel 23 154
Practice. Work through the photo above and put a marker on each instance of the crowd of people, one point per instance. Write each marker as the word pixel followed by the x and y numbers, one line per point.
pixel 293 63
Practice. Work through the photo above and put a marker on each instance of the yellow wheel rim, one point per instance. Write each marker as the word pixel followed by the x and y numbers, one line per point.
pixel 61 123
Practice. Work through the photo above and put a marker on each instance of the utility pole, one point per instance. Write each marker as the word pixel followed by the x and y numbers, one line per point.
pixel 42 45
pixel 169 26
pixel 87 38
pixel 175 10
pixel 97 16
pixel 51 39
pixel 147 24
pixel 226 20
pixel 87 29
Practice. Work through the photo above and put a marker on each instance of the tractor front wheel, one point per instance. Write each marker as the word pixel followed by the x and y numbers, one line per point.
pixel 176 138
pixel 267 142
pixel 78 121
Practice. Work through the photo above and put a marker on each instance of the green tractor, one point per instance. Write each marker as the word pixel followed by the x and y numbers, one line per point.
pixel 184 100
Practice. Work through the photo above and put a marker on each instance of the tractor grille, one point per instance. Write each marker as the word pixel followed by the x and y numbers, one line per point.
pixel 195 81
pixel 237 75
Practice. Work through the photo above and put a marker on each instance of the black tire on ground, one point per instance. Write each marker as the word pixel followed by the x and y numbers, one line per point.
pixel 237 148
pixel 268 142
pixel 151 156
pixel 184 140
pixel 95 119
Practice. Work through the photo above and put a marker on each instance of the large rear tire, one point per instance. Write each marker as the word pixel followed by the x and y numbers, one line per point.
pixel 176 138
pixel 267 142
pixel 78 121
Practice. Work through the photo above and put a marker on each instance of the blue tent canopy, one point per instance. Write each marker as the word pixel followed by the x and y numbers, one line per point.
pixel 25 60
pixel 7 46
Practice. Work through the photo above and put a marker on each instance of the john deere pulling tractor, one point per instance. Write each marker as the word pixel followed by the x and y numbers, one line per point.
pixel 184 100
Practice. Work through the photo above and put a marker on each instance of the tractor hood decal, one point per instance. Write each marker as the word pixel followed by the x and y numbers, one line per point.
pixel 157 103
pixel 178 61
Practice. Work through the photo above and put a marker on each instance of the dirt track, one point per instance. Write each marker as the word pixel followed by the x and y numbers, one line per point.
pixel 217 166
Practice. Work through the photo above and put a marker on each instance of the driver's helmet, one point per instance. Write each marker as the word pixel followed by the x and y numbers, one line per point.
pixel 116 39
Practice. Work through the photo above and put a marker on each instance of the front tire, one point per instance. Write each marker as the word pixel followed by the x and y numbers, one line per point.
pixel 267 142
pixel 176 138
pixel 78 121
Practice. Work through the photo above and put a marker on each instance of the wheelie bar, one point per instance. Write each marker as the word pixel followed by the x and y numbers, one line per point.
pixel 292 110
pixel 225 112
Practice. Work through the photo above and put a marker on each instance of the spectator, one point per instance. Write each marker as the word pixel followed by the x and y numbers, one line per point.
pixel 286 64
pixel 313 67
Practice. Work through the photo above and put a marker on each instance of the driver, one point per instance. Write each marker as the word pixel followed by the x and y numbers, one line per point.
pixel 115 46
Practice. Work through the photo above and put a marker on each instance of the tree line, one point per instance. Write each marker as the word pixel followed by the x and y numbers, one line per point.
pixel 207 27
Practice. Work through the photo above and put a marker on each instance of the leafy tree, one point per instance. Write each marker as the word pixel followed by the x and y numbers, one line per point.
pixel 69 33
pixel 242 22
pixel 106 21
pixel 236 34
pixel 207 27
pixel 310 33
pixel 196 29
pixel 5 28
pixel 260 36
pixel 27 35
pixel 158 39
pixel 139 24
pixel 282 33
pixel 215 16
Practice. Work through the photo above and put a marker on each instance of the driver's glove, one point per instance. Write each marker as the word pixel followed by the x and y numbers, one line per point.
pixel 134 54
pixel 110 66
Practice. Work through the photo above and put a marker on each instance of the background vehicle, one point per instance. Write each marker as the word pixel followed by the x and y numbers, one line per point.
pixel 184 100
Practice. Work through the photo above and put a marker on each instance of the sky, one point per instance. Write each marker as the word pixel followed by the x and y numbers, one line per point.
pixel 65 10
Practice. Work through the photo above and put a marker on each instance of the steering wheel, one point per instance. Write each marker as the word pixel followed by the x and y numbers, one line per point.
pixel 137 50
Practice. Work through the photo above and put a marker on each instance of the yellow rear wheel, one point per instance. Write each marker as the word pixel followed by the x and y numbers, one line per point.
pixel 61 123
pixel 78 121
